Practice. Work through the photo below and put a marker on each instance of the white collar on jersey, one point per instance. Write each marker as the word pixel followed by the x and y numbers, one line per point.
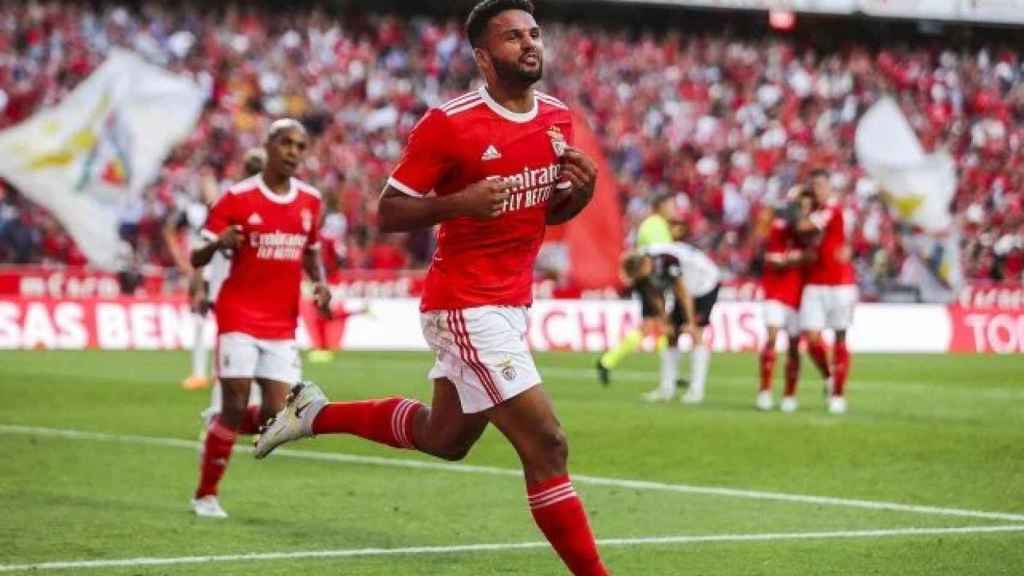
pixel 293 191
pixel 505 113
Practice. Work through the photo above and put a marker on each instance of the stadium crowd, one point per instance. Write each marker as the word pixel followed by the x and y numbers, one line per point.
pixel 727 123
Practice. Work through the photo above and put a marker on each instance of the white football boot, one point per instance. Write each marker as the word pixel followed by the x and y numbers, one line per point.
pixel 764 402
pixel 788 404
pixel 294 421
pixel 659 395
pixel 837 405
pixel 208 507
pixel 692 397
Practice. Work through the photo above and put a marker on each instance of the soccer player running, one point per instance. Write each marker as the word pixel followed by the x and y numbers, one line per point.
pixel 501 166
pixel 655 229
pixel 203 284
pixel 830 296
pixel 207 283
pixel 783 283
pixel 270 223
pixel 686 277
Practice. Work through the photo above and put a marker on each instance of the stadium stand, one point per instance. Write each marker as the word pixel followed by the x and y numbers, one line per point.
pixel 727 121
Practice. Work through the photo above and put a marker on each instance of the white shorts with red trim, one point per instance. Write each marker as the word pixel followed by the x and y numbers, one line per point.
pixel 483 351
pixel 782 316
pixel 240 355
pixel 827 307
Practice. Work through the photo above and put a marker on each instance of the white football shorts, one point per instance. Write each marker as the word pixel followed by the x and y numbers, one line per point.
pixel 240 355
pixel 781 315
pixel 483 351
pixel 827 307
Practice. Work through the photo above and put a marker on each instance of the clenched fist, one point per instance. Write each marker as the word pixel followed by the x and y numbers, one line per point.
pixel 484 199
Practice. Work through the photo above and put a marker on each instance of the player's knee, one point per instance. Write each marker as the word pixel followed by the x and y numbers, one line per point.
pixel 554 448
pixel 451 447
pixel 454 451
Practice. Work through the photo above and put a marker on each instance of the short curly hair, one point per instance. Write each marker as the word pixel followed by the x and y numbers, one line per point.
pixel 482 13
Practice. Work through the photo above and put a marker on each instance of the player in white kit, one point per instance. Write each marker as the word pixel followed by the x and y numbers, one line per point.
pixel 686 278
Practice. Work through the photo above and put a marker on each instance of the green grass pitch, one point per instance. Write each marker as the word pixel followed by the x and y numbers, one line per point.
pixel 944 432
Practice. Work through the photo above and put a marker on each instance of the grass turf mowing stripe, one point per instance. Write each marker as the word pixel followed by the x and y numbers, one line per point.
pixel 467 548
pixel 642 485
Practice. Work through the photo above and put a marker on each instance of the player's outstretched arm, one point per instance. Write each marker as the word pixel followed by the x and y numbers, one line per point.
pixel 581 173
pixel 400 212
pixel 229 239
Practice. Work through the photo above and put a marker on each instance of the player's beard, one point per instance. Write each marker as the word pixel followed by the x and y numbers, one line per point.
pixel 516 71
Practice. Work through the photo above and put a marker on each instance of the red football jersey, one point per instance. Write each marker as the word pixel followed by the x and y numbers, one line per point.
pixel 782 284
pixel 261 294
pixel 486 262
pixel 832 267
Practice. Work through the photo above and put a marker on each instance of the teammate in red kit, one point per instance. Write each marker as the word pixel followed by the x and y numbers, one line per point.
pixel 830 296
pixel 271 224
pixel 493 167
pixel 783 284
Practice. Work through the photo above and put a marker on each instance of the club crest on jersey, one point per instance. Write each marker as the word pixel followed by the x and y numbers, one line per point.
pixel 307 220
pixel 557 140
pixel 508 371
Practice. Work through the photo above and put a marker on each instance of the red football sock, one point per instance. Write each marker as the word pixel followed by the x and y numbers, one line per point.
pixel 792 371
pixel 388 421
pixel 767 367
pixel 214 460
pixel 841 369
pixel 820 357
pixel 559 514
pixel 252 419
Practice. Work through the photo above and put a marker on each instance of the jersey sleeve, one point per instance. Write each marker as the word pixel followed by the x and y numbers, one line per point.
pixel 222 215
pixel 426 158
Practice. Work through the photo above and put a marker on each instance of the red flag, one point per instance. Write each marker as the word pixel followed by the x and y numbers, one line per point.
pixel 594 237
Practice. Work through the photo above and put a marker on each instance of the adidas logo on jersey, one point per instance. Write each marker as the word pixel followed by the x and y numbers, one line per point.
pixel 491 153
pixel 254 219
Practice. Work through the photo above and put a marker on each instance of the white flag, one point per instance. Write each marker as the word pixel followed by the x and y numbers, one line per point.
pixel 100 147
pixel 919 186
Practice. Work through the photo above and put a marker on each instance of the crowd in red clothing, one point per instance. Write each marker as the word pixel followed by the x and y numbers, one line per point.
pixel 727 123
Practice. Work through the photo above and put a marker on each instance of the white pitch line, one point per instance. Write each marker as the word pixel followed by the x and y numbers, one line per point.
pixel 587 374
pixel 417 550
pixel 640 485
pixel 903 386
